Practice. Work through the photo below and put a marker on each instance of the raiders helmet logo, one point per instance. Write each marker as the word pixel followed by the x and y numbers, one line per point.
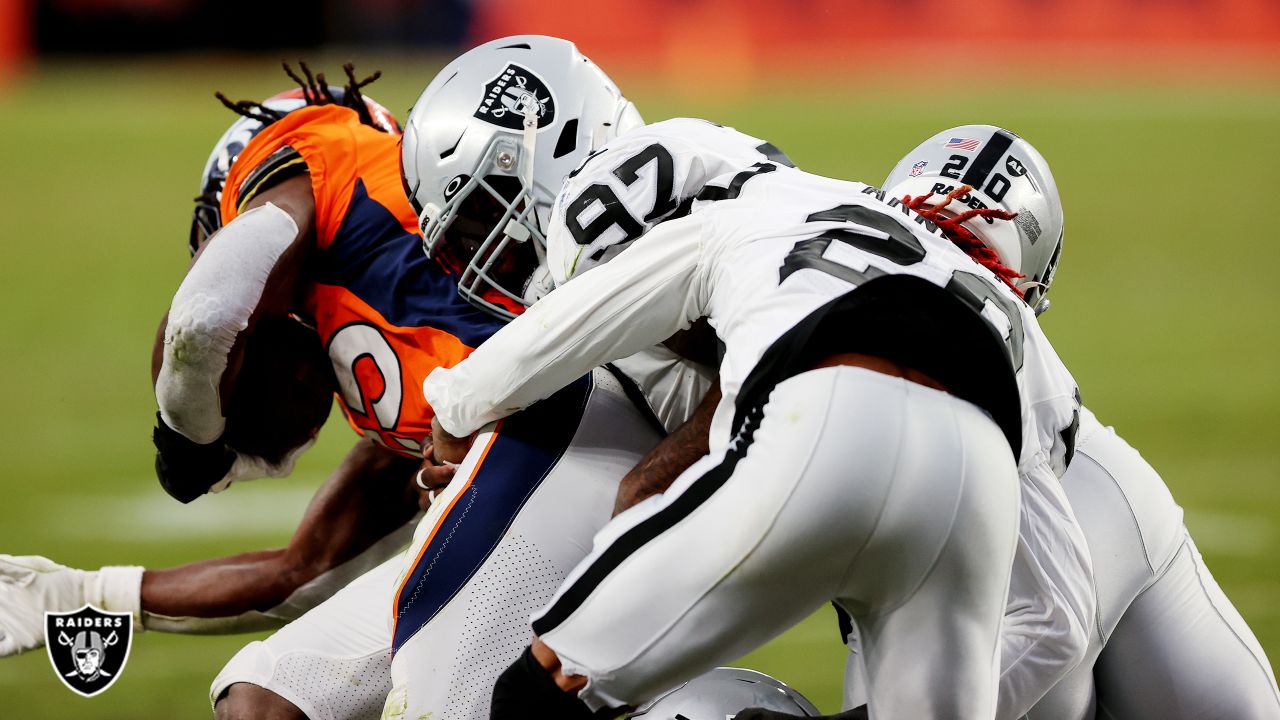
pixel 88 647
pixel 513 93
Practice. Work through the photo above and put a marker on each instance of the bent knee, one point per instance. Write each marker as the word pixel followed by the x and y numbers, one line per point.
pixel 245 701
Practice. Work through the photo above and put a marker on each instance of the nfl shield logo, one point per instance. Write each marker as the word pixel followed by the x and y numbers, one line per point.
pixel 918 168
pixel 88 647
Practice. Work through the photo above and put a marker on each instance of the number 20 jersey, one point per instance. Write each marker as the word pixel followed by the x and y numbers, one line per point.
pixel 766 250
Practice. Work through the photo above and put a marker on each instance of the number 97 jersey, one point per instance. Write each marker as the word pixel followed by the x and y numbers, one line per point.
pixel 638 180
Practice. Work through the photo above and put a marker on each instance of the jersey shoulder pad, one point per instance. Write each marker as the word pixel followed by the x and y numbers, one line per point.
pixel 637 180
pixel 320 137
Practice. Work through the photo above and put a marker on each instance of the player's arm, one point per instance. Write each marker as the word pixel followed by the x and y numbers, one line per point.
pixel 367 498
pixel 250 269
pixel 670 457
pixel 357 519
pixel 653 289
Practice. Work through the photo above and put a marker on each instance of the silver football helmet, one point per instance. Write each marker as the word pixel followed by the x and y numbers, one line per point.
pixel 1006 173
pixel 486 148
pixel 724 692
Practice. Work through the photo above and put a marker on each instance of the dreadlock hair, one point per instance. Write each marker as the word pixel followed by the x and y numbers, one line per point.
pixel 962 236
pixel 315 91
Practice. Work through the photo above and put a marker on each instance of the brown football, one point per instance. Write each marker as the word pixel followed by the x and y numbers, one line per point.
pixel 283 391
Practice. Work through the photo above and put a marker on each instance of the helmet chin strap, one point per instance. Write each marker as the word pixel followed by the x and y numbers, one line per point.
pixel 529 143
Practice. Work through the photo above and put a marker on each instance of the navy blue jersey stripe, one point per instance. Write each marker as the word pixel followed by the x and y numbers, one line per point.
pixel 651 527
pixel 529 445
pixel 376 259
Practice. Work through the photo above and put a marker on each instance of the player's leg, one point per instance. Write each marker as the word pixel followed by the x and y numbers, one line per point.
pixel 333 663
pixel 1134 530
pixel 931 647
pixel 842 469
pixel 1182 651
pixel 520 514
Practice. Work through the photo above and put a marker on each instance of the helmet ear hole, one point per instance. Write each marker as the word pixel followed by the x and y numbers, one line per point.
pixel 568 141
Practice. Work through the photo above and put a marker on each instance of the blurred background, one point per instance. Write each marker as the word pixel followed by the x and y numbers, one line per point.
pixel 1161 119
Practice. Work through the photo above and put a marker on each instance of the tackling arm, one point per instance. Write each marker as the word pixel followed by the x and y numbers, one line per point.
pixel 652 289
pixel 350 526
pixel 664 463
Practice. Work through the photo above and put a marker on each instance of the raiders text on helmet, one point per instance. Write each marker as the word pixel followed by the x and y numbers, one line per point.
pixel 1006 173
pixel 486 149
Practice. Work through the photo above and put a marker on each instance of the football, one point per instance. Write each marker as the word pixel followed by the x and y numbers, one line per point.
pixel 283 391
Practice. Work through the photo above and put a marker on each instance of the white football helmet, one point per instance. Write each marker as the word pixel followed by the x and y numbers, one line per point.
pixel 1006 173
pixel 486 148
pixel 724 692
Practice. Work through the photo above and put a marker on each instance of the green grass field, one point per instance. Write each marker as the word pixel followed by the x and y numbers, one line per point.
pixel 1164 309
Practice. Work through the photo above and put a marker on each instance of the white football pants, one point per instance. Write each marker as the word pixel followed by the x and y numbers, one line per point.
pixel 491 550
pixel 1167 644
pixel 518 516
pixel 898 502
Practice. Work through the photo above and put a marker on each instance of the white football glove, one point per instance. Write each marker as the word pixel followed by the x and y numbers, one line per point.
pixel 32 585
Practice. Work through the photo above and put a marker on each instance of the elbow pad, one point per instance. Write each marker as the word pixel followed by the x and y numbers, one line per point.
pixel 211 308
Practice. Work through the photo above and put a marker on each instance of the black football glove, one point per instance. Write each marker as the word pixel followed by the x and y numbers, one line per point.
pixel 187 469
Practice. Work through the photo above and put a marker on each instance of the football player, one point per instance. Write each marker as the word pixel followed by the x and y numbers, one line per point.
pixel 312 222
pixel 387 315
pixel 1166 642
pixel 245 321
pixel 486 147
pixel 752 255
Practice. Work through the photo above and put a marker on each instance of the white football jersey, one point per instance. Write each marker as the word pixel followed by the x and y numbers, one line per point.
pixel 752 258
pixel 620 192
pixel 759 255
pixel 638 180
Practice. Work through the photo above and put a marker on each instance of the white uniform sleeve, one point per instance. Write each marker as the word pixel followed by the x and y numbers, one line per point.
pixel 649 292
pixel 637 181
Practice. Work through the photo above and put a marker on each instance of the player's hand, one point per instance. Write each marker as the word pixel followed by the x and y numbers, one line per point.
pixel 447 448
pixel 432 477
pixel 29 586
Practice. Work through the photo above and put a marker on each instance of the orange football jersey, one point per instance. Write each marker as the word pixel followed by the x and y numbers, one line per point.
pixel 386 313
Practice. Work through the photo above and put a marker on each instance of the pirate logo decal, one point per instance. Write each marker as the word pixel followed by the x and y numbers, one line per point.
pixel 515 92
pixel 88 647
